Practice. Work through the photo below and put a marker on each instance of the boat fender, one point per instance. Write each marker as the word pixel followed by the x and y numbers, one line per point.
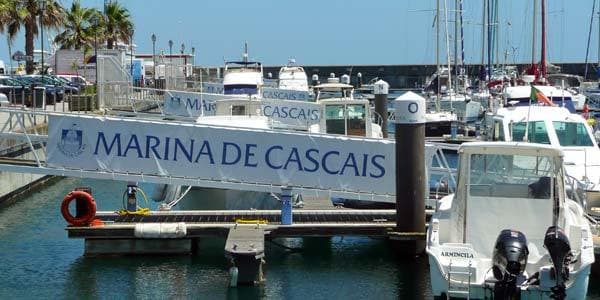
pixel 160 230
pixel 89 212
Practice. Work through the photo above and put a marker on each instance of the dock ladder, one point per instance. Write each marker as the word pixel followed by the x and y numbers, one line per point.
pixel 457 289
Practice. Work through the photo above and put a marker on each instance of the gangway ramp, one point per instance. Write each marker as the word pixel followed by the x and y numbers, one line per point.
pixel 184 153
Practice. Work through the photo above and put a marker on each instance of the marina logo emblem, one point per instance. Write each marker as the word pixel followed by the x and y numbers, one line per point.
pixel 71 141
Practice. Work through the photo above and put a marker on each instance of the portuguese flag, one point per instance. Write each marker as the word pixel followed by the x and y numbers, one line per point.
pixel 537 96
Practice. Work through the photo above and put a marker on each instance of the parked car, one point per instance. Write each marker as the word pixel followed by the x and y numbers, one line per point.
pixel 17 91
pixel 52 90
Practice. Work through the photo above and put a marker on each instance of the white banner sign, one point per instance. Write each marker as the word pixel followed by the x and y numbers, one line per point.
pixel 275 93
pixel 212 87
pixel 216 153
pixel 267 92
pixel 190 104
pixel 294 113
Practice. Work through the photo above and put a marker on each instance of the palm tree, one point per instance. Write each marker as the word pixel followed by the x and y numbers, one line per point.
pixel 24 13
pixel 79 28
pixel 5 8
pixel 118 25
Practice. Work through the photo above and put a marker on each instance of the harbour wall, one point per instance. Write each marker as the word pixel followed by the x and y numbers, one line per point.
pixel 398 76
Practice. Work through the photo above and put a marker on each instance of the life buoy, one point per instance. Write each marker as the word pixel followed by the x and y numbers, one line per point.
pixel 89 212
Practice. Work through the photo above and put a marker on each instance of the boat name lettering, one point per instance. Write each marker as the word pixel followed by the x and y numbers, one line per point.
pixel 194 103
pixel 284 112
pixel 276 157
pixel 457 254
pixel 284 94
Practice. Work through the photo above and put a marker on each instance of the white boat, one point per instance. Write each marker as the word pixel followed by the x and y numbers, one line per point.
pixel 243 77
pixel 509 231
pixel 558 127
pixel 571 83
pixel 293 77
pixel 520 96
pixel 458 102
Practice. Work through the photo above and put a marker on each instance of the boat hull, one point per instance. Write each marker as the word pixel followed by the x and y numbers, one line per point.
pixel 576 287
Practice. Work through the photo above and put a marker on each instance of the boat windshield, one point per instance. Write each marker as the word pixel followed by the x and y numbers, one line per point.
pixel 348 119
pixel 511 176
pixel 537 132
pixel 572 134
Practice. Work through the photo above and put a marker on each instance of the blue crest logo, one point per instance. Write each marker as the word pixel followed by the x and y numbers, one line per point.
pixel 71 141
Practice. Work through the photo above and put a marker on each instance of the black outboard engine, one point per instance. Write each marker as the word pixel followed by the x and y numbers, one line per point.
pixel 557 244
pixel 509 261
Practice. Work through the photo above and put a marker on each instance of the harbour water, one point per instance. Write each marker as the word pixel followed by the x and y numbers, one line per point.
pixel 38 261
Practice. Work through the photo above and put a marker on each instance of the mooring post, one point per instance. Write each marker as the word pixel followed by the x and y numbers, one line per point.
pixel 81 208
pixel 131 196
pixel 410 173
pixel 380 89
pixel 286 206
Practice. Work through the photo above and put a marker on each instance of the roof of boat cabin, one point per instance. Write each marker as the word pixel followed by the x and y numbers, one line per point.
pixel 333 86
pixel 524 91
pixel 537 113
pixel 510 148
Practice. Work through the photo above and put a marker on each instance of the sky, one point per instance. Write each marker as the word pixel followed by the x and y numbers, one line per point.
pixel 346 32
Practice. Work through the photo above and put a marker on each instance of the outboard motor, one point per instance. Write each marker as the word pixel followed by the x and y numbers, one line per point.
pixel 509 261
pixel 559 248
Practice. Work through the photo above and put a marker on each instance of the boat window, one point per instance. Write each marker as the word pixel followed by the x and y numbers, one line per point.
pixel 498 131
pixel 240 89
pixel 511 176
pixel 334 116
pixel 356 119
pixel 238 110
pixel 537 132
pixel 572 134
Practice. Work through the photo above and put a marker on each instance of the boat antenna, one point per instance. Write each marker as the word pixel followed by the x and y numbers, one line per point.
pixel 245 55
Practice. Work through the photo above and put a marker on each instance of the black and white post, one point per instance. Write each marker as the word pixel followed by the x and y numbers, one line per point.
pixel 380 89
pixel 410 173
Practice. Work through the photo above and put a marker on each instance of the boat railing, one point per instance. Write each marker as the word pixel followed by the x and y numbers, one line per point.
pixel 376 118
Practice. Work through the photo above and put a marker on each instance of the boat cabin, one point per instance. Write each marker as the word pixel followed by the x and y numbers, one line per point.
pixel 520 96
pixel 243 78
pixel 292 77
pixel 342 114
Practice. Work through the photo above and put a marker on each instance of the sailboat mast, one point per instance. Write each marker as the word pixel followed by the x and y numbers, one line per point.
pixel 437 54
pixel 587 49
pixel 448 52
pixel 490 51
pixel 455 44
pixel 543 60
pixel 462 36
pixel 533 67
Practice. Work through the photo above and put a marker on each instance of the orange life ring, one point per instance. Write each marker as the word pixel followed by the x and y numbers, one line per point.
pixel 90 211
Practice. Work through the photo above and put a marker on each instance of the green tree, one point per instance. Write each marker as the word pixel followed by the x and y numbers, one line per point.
pixel 118 25
pixel 25 13
pixel 79 28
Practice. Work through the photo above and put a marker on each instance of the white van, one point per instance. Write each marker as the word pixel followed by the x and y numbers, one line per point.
pixel 3 69
pixel 76 80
